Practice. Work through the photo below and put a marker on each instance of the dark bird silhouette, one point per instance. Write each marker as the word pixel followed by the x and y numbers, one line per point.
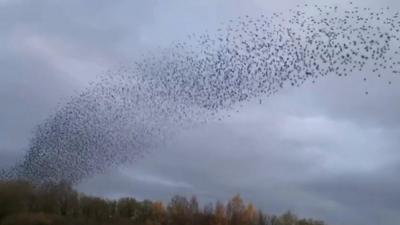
pixel 131 110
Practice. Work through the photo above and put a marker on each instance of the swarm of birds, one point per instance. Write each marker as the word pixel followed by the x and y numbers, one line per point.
pixel 136 108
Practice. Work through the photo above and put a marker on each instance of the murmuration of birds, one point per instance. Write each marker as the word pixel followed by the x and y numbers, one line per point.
pixel 136 108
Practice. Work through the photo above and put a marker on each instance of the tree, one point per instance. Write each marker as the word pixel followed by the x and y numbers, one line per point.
pixel 288 218
pixel 64 198
pixel 159 213
pixel 194 212
pixel 220 214
pixel 94 208
pixel 272 220
pixel 235 210
pixel 178 211
pixel 207 216
pixel 262 219
pixel 143 212
pixel 250 215
pixel 127 208
pixel 57 203
pixel 15 197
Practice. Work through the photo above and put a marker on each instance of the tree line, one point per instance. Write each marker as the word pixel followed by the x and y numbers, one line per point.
pixel 23 203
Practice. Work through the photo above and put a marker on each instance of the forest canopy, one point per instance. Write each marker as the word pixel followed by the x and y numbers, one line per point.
pixel 23 203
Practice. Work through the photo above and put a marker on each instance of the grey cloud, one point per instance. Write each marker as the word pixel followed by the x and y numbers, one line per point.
pixel 369 196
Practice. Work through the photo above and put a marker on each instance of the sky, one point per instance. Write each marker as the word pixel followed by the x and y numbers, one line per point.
pixel 323 150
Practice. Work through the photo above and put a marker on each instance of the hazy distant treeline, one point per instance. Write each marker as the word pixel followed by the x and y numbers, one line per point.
pixel 22 203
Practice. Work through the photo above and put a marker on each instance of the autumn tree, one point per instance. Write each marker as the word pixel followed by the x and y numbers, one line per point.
pixel 250 215
pixel 220 217
pixel 235 210
pixel 159 213
pixel 23 203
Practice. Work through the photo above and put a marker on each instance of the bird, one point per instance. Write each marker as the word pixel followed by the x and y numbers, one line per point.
pixel 131 110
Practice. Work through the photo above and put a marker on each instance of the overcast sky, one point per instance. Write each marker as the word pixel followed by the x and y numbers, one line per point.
pixel 324 150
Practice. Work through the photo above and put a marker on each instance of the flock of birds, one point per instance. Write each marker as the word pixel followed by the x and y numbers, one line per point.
pixel 136 108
